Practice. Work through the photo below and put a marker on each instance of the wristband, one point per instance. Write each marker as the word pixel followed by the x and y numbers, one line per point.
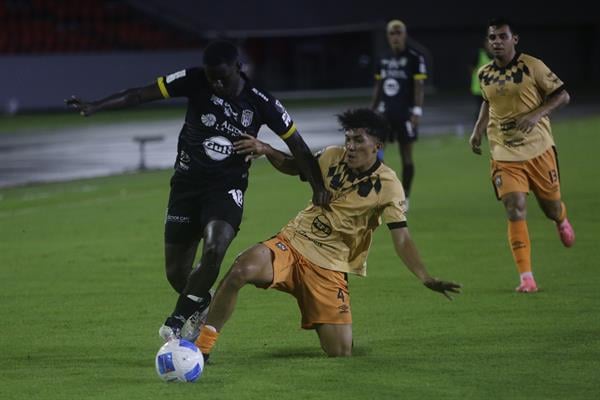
pixel 416 110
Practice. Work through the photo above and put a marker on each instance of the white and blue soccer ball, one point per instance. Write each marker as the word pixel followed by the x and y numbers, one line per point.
pixel 179 360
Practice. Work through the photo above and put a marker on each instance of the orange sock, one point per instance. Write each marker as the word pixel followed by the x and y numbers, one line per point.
pixel 518 238
pixel 563 212
pixel 207 339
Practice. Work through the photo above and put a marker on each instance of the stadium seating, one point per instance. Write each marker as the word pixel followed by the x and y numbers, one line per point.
pixel 73 26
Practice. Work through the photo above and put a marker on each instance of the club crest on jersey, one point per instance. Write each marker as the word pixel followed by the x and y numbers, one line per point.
pixel 227 109
pixel 208 119
pixel 247 118
pixel 218 148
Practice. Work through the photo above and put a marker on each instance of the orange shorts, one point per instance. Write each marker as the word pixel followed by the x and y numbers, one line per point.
pixel 322 294
pixel 540 175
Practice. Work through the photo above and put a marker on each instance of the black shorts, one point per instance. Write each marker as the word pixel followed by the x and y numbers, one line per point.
pixel 191 208
pixel 402 131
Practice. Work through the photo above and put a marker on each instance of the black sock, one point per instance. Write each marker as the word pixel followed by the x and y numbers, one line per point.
pixel 408 171
pixel 186 306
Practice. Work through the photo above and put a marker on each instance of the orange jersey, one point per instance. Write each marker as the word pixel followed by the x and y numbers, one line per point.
pixel 340 239
pixel 511 92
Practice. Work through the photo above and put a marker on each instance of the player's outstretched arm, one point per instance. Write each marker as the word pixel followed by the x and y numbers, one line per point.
pixel 407 251
pixel 127 98
pixel 309 168
pixel 253 148
pixel 480 127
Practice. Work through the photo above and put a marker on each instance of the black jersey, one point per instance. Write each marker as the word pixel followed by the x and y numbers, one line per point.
pixel 213 124
pixel 397 73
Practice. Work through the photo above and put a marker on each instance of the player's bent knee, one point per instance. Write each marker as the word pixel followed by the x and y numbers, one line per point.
pixel 239 275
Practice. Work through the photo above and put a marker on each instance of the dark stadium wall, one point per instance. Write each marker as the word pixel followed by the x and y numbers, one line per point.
pixel 39 82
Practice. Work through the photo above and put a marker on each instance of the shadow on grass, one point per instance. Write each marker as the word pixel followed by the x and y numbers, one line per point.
pixel 310 352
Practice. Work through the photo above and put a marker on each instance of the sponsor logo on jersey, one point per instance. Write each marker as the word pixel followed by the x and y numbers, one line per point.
pixel 218 148
pixel 208 119
pixel 344 309
pixel 178 219
pixel 259 94
pixel 285 117
pixel 227 109
pixel 229 128
pixel 279 106
pixel 175 75
pixel 321 227
pixel 247 118
pixel 391 87
pixel 397 73
pixel 184 157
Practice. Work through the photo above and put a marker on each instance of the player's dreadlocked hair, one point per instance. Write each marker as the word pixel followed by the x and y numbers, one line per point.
pixel 220 52
pixel 364 118
pixel 501 21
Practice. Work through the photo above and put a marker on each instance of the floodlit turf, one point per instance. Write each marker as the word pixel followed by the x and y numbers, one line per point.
pixel 83 293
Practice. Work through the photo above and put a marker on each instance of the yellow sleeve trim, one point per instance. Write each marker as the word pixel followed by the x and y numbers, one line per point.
pixel 289 133
pixel 162 87
pixel 419 77
pixel 378 77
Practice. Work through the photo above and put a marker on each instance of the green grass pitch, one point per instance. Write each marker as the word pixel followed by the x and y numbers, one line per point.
pixel 83 293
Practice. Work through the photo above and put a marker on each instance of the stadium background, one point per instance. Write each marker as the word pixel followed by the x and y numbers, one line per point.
pixel 51 48
pixel 82 287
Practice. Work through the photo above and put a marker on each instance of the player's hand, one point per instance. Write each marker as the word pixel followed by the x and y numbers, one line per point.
pixel 442 287
pixel 527 122
pixel 84 108
pixel 250 146
pixel 414 120
pixel 475 142
pixel 322 198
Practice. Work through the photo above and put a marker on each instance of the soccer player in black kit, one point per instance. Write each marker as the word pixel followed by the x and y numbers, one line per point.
pixel 398 95
pixel 210 178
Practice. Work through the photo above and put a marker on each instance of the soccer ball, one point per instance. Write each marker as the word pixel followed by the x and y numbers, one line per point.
pixel 179 360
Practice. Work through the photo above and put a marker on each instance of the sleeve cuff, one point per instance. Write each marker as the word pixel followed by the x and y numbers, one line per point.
pixel 557 91
pixel 397 225
pixel 163 89
pixel 289 133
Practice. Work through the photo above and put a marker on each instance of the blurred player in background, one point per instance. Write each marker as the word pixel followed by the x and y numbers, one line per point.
pixel 481 58
pixel 311 257
pixel 207 188
pixel 398 94
pixel 519 93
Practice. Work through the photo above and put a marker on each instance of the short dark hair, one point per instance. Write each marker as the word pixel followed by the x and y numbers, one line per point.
pixel 365 118
pixel 502 21
pixel 220 52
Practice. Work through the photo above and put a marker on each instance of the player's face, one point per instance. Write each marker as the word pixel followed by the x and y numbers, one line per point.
pixel 224 79
pixel 397 38
pixel 361 149
pixel 501 41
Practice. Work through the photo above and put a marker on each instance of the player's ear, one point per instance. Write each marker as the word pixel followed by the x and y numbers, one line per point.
pixel 516 38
